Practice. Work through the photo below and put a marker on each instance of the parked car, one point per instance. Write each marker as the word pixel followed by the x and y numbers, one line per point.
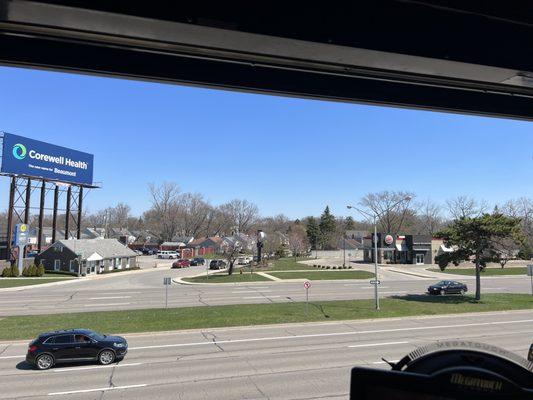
pixel 181 263
pixel 448 287
pixel 242 260
pixel 148 252
pixel 167 254
pixel 197 261
pixel 217 264
pixel 138 252
pixel 75 345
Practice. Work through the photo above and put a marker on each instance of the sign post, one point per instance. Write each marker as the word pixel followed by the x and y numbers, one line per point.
pixel 167 282
pixel 307 285
pixel 530 274
pixel 21 240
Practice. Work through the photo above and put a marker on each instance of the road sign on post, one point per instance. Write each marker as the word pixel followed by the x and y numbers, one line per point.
pixel 530 274
pixel 20 240
pixel 374 282
pixel 307 285
pixel 167 282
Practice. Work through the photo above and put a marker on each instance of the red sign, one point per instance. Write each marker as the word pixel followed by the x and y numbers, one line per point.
pixel 307 284
pixel 389 239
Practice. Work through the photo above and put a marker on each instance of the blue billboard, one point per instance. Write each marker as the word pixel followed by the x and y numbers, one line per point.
pixel 33 158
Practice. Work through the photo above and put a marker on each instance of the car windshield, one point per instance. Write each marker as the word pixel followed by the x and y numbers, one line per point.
pixel 322 195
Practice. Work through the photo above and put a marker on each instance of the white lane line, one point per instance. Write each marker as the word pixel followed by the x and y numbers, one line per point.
pixel 252 291
pixel 97 389
pixel 393 292
pixel 376 344
pixel 260 297
pixel 10 357
pixel 262 339
pixel 383 362
pixel 109 297
pixel 95 367
pixel 105 305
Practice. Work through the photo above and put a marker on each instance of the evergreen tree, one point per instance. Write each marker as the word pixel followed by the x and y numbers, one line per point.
pixel 313 233
pixel 349 224
pixel 327 226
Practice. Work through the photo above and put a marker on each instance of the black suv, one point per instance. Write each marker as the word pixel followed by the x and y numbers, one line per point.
pixel 217 264
pixel 197 261
pixel 75 345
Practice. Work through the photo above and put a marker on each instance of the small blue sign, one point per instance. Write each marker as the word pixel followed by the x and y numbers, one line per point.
pixel 33 158
pixel 22 236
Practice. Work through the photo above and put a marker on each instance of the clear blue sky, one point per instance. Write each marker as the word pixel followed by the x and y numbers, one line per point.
pixel 287 155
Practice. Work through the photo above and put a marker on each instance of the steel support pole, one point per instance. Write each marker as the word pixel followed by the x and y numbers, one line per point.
pixel 80 205
pixel 54 215
pixel 41 218
pixel 67 219
pixel 27 202
pixel 10 217
pixel 376 292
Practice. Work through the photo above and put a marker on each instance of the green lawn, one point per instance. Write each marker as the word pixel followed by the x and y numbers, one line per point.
pixel 225 278
pixel 7 282
pixel 26 327
pixel 323 275
pixel 487 272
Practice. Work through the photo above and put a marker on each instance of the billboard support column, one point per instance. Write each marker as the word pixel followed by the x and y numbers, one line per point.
pixel 10 217
pixel 54 215
pixel 41 218
pixel 67 213
pixel 80 203
pixel 27 202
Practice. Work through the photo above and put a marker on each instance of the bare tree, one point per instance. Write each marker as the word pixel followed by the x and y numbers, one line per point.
pixel 241 214
pixel 391 219
pixel 119 215
pixel 465 207
pixel 522 208
pixel 430 217
pixel 231 252
pixel 298 240
pixel 164 213
pixel 193 212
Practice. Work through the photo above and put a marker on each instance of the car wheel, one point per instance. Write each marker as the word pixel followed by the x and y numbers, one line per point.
pixel 442 292
pixel 159 257
pixel 462 292
pixel 44 361
pixel 106 357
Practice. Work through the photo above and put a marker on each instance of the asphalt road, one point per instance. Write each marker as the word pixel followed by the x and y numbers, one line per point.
pixel 296 361
pixel 144 289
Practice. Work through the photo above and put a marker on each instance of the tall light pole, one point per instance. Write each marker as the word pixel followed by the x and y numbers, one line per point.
pixel 374 217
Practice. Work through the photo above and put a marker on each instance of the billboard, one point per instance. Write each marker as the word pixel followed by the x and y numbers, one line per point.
pixel 33 158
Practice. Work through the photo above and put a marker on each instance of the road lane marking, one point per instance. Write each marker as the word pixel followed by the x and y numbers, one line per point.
pixel 260 297
pixel 105 305
pixel 109 297
pixel 376 344
pixel 97 389
pixel 94 367
pixel 395 292
pixel 263 339
pixel 252 291
pixel 384 362
pixel 9 357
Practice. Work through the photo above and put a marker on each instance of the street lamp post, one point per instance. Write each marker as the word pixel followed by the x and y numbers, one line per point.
pixel 374 217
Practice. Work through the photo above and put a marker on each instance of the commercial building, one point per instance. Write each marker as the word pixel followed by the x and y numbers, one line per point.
pixel 404 249
pixel 87 256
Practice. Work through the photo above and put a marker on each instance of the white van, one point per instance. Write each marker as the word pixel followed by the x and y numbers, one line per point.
pixel 168 254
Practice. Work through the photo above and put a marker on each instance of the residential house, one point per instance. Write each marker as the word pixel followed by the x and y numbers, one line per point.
pixel 87 256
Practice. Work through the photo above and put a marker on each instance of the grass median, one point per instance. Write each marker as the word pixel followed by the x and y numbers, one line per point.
pixel 225 278
pixel 486 272
pixel 323 275
pixel 26 327
pixel 9 282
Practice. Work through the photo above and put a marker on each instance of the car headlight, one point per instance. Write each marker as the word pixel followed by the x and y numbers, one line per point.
pixel 119 345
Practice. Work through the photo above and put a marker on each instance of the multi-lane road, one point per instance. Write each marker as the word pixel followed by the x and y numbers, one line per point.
pixel 144 289
pixel 296 361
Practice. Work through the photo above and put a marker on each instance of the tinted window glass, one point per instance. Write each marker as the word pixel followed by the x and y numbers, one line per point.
pixel 63 339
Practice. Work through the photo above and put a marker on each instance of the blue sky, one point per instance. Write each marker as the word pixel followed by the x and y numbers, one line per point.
pixel 287 155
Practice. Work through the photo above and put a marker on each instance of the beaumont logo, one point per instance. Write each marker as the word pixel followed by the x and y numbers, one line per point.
pixel 19 151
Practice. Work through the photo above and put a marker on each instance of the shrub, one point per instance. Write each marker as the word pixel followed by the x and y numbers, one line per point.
pixel 327 267
pixel 314 265
pixel 26 271
pixel 40 269
pixel 32 270
pixel 15 271
pixel 6 273
pixel 350 267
